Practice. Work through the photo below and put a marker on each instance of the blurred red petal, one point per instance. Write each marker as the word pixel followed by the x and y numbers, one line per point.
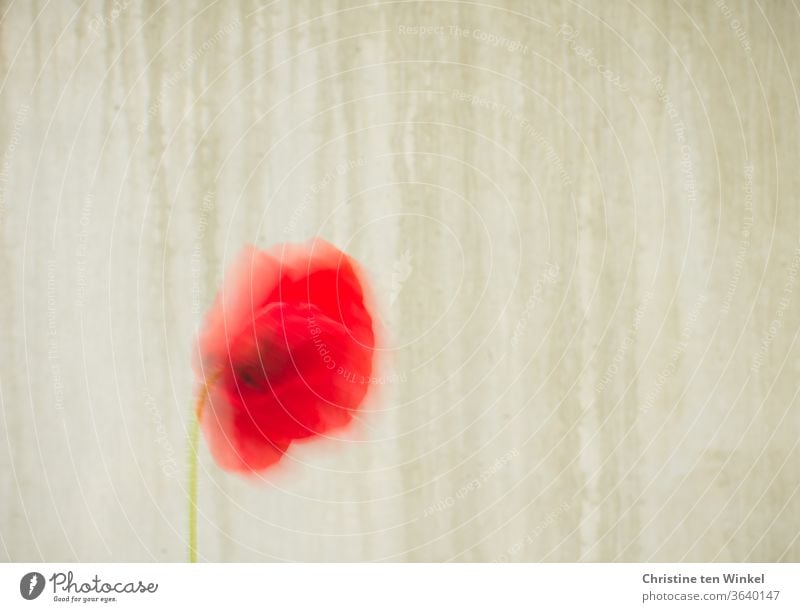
pixel 230 438
pixel 289 347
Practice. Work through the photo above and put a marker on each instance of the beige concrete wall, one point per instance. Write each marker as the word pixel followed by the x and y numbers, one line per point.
pixel 581 219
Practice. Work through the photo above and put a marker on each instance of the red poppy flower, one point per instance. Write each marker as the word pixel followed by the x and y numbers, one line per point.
pixel 286 352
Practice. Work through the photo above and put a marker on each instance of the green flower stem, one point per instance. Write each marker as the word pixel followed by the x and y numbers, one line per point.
pixel 194 438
